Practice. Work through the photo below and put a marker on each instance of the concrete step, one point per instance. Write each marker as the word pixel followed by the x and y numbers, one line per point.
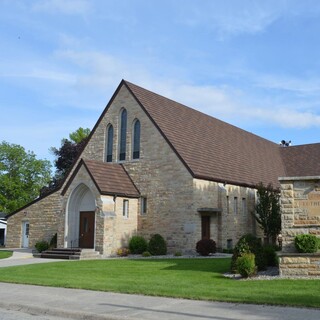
pixel 69 254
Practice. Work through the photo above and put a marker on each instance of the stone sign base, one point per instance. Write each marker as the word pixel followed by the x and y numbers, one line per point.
pixel 299 264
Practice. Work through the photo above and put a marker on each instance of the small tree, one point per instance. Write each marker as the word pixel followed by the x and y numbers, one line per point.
pixel 268 211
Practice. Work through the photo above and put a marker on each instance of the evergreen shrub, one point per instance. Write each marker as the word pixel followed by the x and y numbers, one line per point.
pixel 249 244
pixel 246 265
pixel 137 245
pixel 42 246
pixel 306 243
pixel 53 241
pixel 206 246
pixel 270 256
pixel 157 245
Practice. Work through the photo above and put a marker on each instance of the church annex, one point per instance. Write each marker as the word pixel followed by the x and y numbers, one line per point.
pixel 152 165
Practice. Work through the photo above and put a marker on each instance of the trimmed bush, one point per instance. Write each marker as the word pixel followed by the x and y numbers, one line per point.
pixel 123 252
pixel 138 244
pixel 146 254
pixel 206 246
pixel 246 265
pixel 306 243
pixel 270 256
pixel 249 244
pixel 42 246
pixel 157 245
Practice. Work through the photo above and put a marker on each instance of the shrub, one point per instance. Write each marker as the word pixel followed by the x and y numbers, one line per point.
pixel 42 246
pixel 270 256
pixel 157 245
pixel 53 241
pixel 206 246
pixel 146 254
pixel 138 244
pixel 306 243
pixel 123 252
pixel 248 244
pixel 246 265
pixel 178 254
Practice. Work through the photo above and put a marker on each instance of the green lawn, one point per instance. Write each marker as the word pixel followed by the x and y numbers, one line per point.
pixel 183 278
pixel 5 254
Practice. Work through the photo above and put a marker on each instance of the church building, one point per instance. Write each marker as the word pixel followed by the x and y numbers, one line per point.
pixel 152 165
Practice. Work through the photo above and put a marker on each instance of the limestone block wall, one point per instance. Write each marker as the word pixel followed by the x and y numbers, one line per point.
pixel 237 216
pixel 118 229
pixel 43 217
pixel 300 209
pixel 304 265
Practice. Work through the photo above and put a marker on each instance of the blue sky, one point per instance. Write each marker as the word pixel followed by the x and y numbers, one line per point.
pixel 254 64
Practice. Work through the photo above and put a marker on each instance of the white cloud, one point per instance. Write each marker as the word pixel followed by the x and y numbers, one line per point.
pixel 305 86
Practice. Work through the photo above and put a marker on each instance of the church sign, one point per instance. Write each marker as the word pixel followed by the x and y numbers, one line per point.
pixel 311 205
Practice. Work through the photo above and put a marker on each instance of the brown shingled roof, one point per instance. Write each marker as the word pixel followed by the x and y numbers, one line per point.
pixel 109 178
pixel 303 160
pixel 210 148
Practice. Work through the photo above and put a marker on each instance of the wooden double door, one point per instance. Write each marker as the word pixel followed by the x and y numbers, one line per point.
pixel 86 229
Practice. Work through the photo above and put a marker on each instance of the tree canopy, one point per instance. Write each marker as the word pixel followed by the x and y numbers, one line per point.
pixel 21 176
pixel 65 157
pixel 268 211
pixel 68 151
pixel 79 135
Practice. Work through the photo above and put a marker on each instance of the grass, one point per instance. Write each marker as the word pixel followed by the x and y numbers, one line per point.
pixel 180 278
pixel 5 254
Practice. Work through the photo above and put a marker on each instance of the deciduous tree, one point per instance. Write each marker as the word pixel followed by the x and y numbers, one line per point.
pixel 21 176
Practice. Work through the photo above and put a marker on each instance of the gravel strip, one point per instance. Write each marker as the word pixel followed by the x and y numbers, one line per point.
pixel 272 273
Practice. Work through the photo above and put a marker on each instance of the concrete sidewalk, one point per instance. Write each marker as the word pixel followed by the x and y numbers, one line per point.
pixel 21 257
pixel 85 304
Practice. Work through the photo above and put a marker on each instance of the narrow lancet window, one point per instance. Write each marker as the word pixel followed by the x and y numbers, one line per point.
pixel 109 143
pixel 123 135
pixel 136 140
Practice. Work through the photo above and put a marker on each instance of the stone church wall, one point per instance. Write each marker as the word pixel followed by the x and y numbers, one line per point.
pixel 300 208
pixel 43 217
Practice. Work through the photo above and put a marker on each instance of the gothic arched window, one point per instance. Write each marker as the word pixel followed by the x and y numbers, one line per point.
pixel 123 135
pixel 109 146
pixel 136 140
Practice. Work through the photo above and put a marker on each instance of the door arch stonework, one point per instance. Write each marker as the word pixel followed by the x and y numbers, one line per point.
pixel 81 199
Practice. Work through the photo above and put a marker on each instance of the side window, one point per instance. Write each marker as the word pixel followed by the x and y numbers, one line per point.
pixel 125 210
pixel 109 146
pixel 136 140
pixel 143 211
pixel 228 204
pixel 244 205
pixel 235 205
pixel 123 135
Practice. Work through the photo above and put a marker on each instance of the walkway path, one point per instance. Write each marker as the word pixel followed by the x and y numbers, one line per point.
pixel 22 257
pixel 85 304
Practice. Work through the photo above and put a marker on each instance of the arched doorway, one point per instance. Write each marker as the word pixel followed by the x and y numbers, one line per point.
pixel 80 218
